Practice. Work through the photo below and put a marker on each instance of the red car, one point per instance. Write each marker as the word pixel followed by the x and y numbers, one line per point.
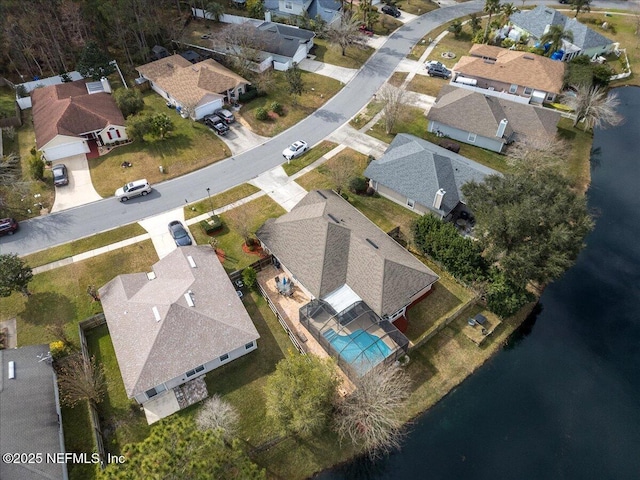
pixel 365 30
pixel 8 226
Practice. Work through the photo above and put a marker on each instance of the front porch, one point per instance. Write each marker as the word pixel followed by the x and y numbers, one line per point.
pixel 177 398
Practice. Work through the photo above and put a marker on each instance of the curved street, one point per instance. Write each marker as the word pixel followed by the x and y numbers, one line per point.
pixel 61 227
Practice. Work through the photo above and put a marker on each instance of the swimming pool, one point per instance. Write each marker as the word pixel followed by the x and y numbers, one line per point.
pixel 361 349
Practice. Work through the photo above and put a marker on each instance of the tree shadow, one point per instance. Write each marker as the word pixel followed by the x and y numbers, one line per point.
pixel 525 329
pixel 44 308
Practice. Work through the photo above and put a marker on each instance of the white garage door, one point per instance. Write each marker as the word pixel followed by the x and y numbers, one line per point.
pixel 66 150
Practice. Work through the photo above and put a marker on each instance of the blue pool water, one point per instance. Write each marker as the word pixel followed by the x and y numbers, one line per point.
pixel 361 349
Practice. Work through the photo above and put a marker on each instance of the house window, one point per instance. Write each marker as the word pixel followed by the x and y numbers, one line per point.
pixel 472 137
pixel 109 135
pixel 248 345
pixel 550 97
pixel 191 373
pixel 513 88
pixel 288 5
pixel 224 357
pixel 155 391
pixel 411 203
pixel 118 133
pixel 528 90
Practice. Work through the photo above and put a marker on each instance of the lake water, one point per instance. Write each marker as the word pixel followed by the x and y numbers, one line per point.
pixel 562 401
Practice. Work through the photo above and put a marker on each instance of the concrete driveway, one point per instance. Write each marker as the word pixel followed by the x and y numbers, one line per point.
pixel 240 138
pixel 341 74
pixel 80 190
pixel 157 226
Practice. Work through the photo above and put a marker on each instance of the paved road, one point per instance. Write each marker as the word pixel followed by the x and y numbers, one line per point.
pixel 86 220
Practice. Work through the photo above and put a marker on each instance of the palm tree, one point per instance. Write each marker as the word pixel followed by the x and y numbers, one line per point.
pixel 580 6
pixel 491 7
pixel 554 37
pixel 508 9
pixel 215 11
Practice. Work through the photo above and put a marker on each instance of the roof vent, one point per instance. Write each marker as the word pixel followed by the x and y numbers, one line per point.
pixel 189 298
pixel 151 275
pixel 156 314
pixel 334 218
pixel 322 194
pixel 528 57
pixel 191 261
pixel 370 242
pixel 12 370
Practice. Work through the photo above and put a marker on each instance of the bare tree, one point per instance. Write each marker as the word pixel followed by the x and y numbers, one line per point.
pixel 80 380
pixel 534 151
pixel 595 106
pixel 57 329
pixel 371 416
pixel 264 81
pixel 392 99
pixel 340 170
pixel 345 33
pixel 240 218
pixel 216 414
pixel 10 170
pixel 243 44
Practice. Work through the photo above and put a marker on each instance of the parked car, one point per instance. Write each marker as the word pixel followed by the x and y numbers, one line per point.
pixel 438 71
pixel 179 233
pixel 391 10
pixel 133 189
pixel 435 63
pixel 295 149
pixel 60 176
pixel 225 115
pixel 217 124
pixel 8 226
pixel 363 29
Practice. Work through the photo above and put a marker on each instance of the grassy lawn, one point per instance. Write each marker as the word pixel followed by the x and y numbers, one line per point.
pixel 348 162
pixel 330 53
pixel 424 315
pixel 309 157
pixel 189 147
pixel 78 438
pixel 578 164
pixel 83 245
pixel 60 295
pixel 7 102
pixel 416 7
pixel 366 115
pixel 225 198
pixel 426 84
pixel 230 241
pixel 318 88
pixel 397 78
pixel 122 420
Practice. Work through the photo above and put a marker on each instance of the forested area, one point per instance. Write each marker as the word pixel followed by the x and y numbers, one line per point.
pixel 46 37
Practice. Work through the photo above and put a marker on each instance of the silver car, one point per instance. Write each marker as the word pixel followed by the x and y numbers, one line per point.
pixel 133 189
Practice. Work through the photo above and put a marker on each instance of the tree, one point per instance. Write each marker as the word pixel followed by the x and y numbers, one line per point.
pixel 215 413
pixel 161 125
pixel 555 37
pixel 214 11
pixel 295 83
pixel 10 171
pixel 138 126
pixel 264 81
pixel 372 416
pixel 129 101
pixel 532 152
pixel 242 221
pixel 81 380
pixel 300 393
pixel 595 107
pixel 392 99
pixel 175 449
pixel 456 28
pixel 255 9
pixel 244 43
pixel 340 170
pixel 345 33
pixel 506 10
pixel 36 167
pixel 15 275
pixel 249 277
pixel 580 6
pixel 491 7
pixel 531 223
pixel 369 13
pixel 94 63
pixel 474 23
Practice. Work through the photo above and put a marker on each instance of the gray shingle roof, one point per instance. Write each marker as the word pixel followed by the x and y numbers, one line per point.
pixel 327 243
pixel 536 21
pixel 28 415
pixel 150 352
pixel 284 39
pixel 327 9
pixel 481 114
pixel 417 169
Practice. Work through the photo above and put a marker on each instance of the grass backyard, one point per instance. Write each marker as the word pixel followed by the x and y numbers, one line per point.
pixel 189 147
pixel 347 164
pixel 220 200
pixel 318 89
pixel 330 53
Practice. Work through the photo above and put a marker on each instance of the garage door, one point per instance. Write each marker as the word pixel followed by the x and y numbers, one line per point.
pixel 66 150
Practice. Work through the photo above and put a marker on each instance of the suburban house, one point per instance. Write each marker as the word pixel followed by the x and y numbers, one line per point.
pixel 172 325
pixel 489 122
pixel 28 87
pixel 74 118
pixel 424 177
pixel 360 281
pixel 197 89
pixel 327 9
pixel 30 418
pixel 534 78
pixel 535 23
pixel 285 45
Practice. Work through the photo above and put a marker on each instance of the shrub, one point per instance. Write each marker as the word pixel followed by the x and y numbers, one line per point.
pixel 36 168
pixel 249 277
pixel 33 151
pixel 57 349
pixel 21 91
pixel 371 191
pixel 507 43
pixel 129 101
pixel 261 114
pixel 504 298
pixel 358 185
pixel 277 108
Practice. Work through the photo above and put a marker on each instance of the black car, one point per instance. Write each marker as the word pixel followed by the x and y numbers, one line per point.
pixel 391 10
pixel 179 233
pixel 60 176
pixel 8 226
pixel 438 70
pixel 219 127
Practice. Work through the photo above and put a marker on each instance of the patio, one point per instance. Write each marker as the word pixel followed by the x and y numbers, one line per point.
pixel 177 398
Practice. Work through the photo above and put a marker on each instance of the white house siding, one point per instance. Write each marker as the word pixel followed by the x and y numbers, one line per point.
pixel 301 53
pixel 493 144
pixel 118 134
pixel 209 366
pixel 62 146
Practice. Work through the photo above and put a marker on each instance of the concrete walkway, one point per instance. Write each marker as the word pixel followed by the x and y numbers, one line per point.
pixel 342 74
pixel 280 187
pixel 80 190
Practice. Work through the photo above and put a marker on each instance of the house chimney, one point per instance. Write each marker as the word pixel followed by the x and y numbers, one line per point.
pixel 105 85
pixel 437 201
pixel 501 128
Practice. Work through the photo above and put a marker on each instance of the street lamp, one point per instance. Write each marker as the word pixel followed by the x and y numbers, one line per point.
pixel 210 202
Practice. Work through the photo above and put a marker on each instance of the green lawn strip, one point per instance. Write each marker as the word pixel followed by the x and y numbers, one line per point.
pixel 327 53
pixel 78 438
pixel 297 164
pixel 578 164
pixel 189 147
pixel 122 420
pixel 318 89
pixel 83 245
pixel 230 241
pixel 220 200
pixel 61 294
pixel 412 120
pixel 7 102
pixel 348 160
pixel 366 115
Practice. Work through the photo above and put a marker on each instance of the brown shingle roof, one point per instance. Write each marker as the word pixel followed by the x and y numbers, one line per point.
pixel 510 66
pixel 68 109
pixel 327 243
pixel 150 352
pixel 189 83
